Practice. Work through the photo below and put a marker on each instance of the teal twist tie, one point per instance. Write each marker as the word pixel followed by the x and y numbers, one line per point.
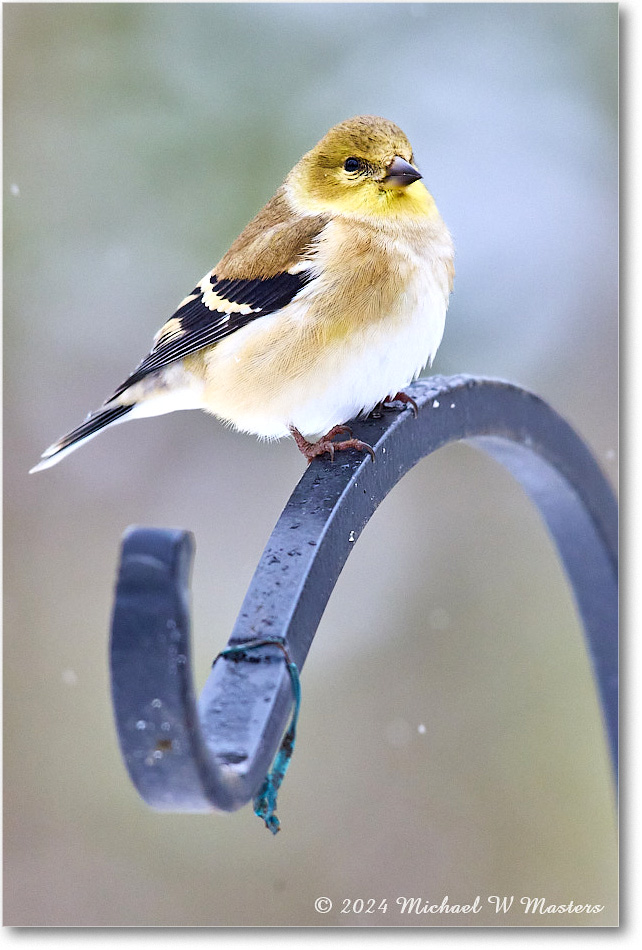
pixel 265 799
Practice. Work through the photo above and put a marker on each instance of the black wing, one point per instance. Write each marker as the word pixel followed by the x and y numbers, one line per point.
pixel 215 309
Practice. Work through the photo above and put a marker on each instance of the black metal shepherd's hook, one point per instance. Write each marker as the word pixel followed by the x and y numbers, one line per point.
pixel 215 755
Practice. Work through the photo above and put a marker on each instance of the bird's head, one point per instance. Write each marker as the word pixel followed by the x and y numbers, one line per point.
pixel 362 167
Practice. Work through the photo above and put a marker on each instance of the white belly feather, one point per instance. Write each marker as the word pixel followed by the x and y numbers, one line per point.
pixel 374 364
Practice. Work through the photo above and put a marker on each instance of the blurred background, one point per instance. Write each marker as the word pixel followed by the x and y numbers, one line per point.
pixel 138 141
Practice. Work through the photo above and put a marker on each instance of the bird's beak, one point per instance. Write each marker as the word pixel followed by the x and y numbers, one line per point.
pixel 400 172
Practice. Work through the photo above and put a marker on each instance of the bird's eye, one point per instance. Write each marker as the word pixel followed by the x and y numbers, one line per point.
pixel 352 164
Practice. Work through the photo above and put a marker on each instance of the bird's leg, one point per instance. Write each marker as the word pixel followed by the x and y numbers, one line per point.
pixel 325 443
pixel 399 397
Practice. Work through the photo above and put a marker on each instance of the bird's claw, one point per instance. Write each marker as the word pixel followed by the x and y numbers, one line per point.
pixel 325 444
pixel 388 403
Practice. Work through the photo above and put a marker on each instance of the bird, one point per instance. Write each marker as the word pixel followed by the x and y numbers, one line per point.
pixel 328 304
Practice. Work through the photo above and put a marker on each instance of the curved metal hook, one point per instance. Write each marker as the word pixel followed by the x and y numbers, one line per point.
pixel 184 757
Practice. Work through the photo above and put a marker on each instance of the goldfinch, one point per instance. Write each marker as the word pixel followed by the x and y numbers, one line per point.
pixel 330 302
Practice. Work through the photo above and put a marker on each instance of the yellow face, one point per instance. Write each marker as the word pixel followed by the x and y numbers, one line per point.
pixel 365 167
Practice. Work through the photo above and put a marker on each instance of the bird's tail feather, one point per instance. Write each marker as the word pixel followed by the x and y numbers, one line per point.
pixel 89 428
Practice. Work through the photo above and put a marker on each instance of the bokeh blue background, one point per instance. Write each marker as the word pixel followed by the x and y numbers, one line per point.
pixel 138 140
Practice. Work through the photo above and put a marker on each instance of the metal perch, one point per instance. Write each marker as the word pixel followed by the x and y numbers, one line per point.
pixel 186 756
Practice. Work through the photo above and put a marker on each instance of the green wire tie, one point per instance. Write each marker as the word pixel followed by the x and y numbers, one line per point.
pixel 265 799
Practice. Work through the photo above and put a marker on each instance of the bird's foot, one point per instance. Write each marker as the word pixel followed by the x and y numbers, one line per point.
pixel 388 403
pixel 325 443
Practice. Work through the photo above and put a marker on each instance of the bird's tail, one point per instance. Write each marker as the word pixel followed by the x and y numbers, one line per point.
pixel 92 425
